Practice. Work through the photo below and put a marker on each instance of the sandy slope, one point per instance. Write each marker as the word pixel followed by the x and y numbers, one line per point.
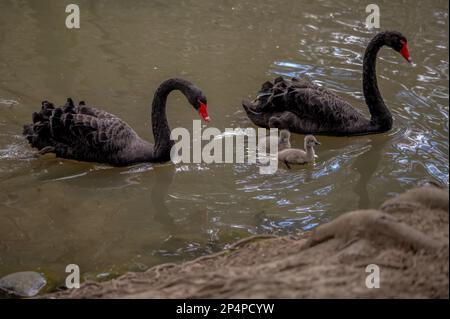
pixel 407 238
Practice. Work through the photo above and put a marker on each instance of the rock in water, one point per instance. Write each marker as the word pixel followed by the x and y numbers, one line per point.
pixel 23 284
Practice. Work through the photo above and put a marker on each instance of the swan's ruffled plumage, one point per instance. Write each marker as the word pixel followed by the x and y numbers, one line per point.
pixel 84 133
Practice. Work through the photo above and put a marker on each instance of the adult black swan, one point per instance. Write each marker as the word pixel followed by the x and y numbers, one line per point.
pixel 303 107
pixel 89 134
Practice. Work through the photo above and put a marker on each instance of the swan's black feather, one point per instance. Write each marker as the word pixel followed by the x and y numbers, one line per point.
pixel 302 107
pixel 84 133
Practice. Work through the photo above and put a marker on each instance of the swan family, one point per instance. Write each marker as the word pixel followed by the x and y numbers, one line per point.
pixel 87 133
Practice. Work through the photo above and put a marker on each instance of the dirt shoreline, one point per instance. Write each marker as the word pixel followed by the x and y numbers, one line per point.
pixel 407 238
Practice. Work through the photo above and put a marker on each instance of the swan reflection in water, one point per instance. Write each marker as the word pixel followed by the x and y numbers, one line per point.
pixel 167 218
pixel 366 165
pixel 159 193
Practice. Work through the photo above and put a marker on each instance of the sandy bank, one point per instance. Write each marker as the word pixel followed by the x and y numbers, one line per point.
pixel 407 237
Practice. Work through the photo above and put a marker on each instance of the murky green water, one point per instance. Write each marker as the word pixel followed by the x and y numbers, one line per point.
pixel 109 220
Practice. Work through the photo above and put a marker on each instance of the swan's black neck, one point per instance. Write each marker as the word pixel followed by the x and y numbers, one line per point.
pixel 381 117
pixel 161 129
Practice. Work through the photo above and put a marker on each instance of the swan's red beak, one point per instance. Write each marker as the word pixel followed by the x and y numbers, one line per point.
pixel 405 52
pixel 203 111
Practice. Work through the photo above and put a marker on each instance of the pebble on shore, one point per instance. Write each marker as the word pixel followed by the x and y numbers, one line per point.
pixel 22 284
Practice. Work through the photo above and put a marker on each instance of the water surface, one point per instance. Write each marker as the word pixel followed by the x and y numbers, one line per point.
pixel 110 220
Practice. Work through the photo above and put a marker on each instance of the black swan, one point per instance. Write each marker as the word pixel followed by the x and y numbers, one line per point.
pixel 303 107
pixel 89 134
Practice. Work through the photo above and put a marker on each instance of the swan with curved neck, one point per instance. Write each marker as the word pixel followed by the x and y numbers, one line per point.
pixel 304 107
pixel 90 134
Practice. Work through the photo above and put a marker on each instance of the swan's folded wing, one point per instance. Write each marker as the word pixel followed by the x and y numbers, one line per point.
pixel 317 104
pixel 83 131
pixel 303 84
pixel 92 111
